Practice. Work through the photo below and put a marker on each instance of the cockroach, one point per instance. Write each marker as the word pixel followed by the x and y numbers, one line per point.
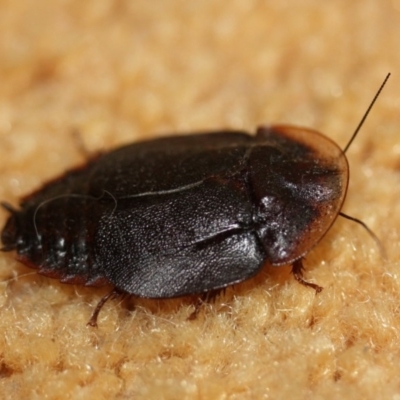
pixel 185 215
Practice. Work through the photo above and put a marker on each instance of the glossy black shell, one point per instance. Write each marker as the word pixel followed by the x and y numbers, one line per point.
pixel 183 215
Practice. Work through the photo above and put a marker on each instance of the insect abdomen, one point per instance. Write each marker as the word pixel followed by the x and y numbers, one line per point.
pixel 56 235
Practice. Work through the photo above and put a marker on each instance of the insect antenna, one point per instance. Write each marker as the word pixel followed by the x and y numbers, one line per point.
pixel 370 232
pixel 360 124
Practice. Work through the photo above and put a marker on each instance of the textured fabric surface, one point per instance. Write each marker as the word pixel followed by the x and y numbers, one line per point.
pixel 82 77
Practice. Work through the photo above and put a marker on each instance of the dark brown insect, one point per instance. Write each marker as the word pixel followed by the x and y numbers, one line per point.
pixel 185 214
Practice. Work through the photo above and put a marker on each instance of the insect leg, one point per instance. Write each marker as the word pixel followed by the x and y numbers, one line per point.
pixel 297 271
pixel 208 297
pixel 115 293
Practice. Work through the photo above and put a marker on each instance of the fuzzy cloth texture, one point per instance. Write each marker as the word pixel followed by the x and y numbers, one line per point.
pixel 113 72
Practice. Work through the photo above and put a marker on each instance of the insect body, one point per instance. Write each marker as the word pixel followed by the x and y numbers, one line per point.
pixel 185 214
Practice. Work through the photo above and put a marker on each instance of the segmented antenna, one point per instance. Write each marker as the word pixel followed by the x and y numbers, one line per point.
pixel 361 123
pixel 358 221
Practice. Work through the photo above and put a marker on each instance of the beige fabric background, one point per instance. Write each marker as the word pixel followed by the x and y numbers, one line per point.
pixel 120 71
